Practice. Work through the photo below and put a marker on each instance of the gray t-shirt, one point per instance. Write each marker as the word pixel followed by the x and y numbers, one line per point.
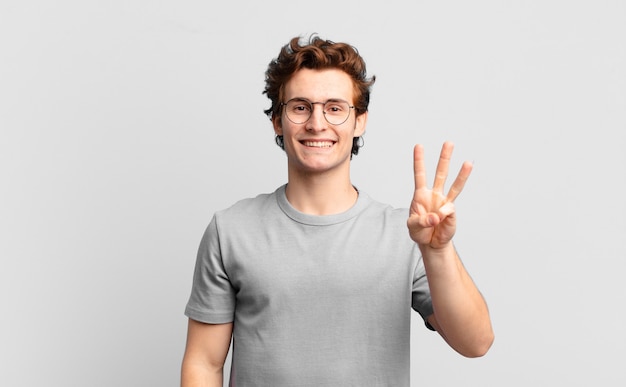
pixel 315 300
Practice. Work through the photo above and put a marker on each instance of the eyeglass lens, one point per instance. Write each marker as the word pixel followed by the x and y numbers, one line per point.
pixel 299 111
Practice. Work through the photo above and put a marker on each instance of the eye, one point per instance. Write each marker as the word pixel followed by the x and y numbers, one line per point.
pixel 335 107
pixel 299 107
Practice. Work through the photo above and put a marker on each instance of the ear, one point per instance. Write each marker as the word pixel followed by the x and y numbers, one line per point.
pixel 278 127
pixel 360 124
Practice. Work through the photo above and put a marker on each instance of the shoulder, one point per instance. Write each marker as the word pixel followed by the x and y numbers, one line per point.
pixel 377 208
pixel 383 214
pixel 248 208
pixel 250 204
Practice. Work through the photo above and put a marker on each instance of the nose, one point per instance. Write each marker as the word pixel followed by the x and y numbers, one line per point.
pixel 317 121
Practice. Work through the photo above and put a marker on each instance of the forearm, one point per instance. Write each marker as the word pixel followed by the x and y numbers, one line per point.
pixel 460 311
pixel 196 375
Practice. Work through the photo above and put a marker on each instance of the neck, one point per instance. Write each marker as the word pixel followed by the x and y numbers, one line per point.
pixel 321 194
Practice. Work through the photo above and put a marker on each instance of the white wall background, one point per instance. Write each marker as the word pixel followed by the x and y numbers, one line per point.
pixel 126 124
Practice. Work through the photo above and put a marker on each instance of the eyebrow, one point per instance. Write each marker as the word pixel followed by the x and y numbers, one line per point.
pixel 328 100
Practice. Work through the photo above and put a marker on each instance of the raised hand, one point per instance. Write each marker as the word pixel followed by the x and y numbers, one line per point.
pixel 432 217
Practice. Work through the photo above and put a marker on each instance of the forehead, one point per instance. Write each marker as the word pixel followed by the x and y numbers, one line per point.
pixel 319 85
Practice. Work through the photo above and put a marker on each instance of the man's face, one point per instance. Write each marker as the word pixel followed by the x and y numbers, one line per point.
pixel 317 146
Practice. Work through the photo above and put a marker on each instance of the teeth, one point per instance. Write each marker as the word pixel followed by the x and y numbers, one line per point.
pixel 318 144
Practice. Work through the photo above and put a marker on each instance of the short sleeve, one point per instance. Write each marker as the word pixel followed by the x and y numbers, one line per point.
pixel 421 301
pixel 212 298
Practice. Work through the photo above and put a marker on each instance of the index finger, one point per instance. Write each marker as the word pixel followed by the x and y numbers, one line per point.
pixel 460 180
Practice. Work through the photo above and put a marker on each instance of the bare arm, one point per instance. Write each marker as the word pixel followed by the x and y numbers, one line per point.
pixel 205 354
pixel 460 312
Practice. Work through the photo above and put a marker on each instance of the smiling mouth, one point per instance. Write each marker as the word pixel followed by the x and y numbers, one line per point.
pixel 318 144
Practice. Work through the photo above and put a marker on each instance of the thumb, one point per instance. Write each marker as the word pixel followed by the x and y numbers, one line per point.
pixel 446 210
pixel 423 221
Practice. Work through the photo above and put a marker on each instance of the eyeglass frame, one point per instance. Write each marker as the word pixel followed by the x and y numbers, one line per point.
pixel 323 111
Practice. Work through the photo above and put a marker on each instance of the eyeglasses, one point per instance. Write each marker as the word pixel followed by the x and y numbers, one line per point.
pixel 299 110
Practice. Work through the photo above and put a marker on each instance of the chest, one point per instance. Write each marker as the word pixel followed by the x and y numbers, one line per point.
pixel 302 264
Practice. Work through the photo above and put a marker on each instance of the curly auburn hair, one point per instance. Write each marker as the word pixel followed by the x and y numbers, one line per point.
pixel 317 54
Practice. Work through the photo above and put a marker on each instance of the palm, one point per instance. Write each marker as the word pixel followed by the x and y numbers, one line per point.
pixel 432 218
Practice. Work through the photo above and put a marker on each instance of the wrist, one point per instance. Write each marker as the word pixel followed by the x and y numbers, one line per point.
pixel 428 250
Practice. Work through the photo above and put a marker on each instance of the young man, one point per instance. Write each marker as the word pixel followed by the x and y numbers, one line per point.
pixel 315 281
